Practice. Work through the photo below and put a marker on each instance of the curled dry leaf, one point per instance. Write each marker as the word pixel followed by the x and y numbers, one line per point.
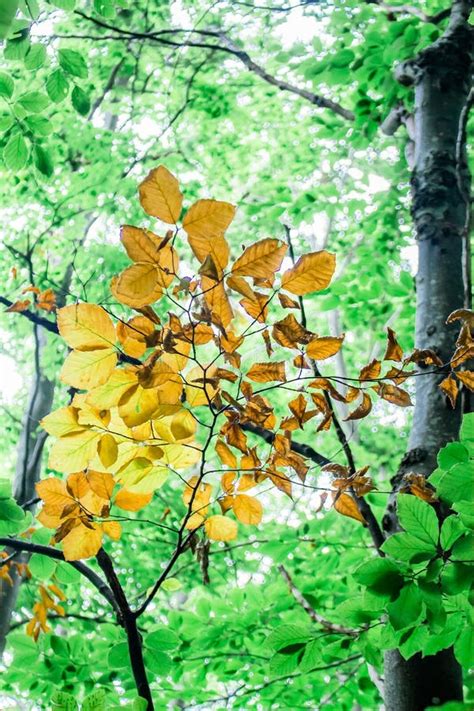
pixel 362 410
pixel 345 505
pixel 450 389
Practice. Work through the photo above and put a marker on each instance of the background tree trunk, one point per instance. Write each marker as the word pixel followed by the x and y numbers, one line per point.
pixel 441 75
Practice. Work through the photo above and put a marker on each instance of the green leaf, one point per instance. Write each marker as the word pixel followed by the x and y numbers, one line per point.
pixel 467 428
pixel 451 530
pixel 10 511
pixel 157 662
pixel 57 86
pixel 8 10
pixel 16 48
pixel 409 548
pixel 39 125
pixel 312 656
pixel 406 609
pixel 6 122
pixel 36 57
pixel 418 518
pixel 73 63
pixel 64 4
pixel 41 566
pixel 162 639
pixel 96 701
pixel 61 701
pixel 7 85
pixel 33 101
pixel 171 585
pixel 463 549
pixel 284 664
pixel 43 161
pixel 456 578
pixel 118 657
pixel 457 484
pixel 381 576
pixel 66 574
pixel 80 101
pixel 287 634
pixel 60 646
pixel 464 647
pixel 453 453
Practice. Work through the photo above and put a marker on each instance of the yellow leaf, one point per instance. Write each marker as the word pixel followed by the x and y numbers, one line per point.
pixel 88 369
pixel 82 542
pixel 220 528
pixel 217 301
pixel 324 347
pixel 160 195
pixel 238 284
pixel 129 501
pixel 198 388
pixel 54 494
pixel 267 372
pixel 205 223
pixel 179 427
pixel 261 260
pixel 74 452
pixel 450 389
pixel 112 529
pixel 109 395
pixel 107 450
pixel 345 505
pixel 86 326
pixel 138 285
pixel 101 483
pixel 312 272
pixel 248 509
pixel 180 456
pixel 226 456
pixel 134 334
pixel 61 422
pixel 138 404
pixel 133 472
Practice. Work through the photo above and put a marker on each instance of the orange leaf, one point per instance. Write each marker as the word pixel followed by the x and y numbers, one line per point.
pixel 129 501
pixel 261 260
pixel 18 306
pixel 312 272
pixel 267 372
pixel 362 410
pixel 395 395
pixel 394 350
pixel 467 378
pixel 324 347
pixel 345 505
pixel 248 509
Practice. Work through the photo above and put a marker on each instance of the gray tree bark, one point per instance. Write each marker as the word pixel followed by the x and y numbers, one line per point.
pixel 441 75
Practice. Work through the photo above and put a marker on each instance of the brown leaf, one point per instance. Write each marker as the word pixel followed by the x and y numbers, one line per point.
pixel 362 410
pixel 267 372
pixel 289 332
pixel 18 306
pixel 467 378
pixel 370 371
pixel 450 389
pixel 394 350
pixel 395 395
pixel 288 303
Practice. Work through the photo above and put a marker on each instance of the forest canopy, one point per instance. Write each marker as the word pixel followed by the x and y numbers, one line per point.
pixel 237 355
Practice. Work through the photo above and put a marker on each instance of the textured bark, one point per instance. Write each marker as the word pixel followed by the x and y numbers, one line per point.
pixel 441 75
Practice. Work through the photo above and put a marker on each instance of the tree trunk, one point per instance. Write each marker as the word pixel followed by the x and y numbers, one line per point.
pixel 441 75
pixel 28 469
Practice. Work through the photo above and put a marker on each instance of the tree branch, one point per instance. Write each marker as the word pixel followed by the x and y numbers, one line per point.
pixel 82 568
pixel 314 615
pixel 229 47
